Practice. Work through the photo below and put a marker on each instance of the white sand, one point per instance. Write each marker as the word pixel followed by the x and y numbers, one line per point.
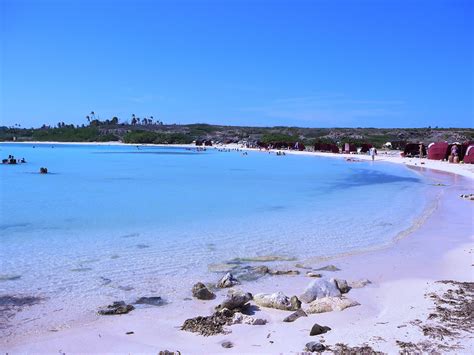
pixel 402 274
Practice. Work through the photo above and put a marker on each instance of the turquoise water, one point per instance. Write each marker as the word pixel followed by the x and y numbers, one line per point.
pixel 117 222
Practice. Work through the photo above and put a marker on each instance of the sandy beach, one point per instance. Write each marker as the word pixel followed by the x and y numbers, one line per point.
pixel 396 312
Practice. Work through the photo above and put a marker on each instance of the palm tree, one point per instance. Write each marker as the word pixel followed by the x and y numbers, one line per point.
pixel 88 118
pixel 93 115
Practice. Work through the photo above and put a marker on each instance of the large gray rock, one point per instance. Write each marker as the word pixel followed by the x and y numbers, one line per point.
pixel 201 292
pixel 240 318
pixel 329 304
pixel 320 288
pixel 116 308
pixel 342 285
pixel 228 280
pixel 235 300
pixel 295 315
pixel 152 301
pixel 313 346
pixel 319 329
pixel 277 300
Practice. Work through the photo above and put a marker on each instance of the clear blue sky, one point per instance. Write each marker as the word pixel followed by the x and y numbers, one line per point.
pixel 329 63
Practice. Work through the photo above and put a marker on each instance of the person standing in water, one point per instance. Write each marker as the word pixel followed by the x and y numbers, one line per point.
pixel 372 153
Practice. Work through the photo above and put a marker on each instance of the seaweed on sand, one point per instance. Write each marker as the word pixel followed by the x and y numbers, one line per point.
pixel 344 349
pixel 451 319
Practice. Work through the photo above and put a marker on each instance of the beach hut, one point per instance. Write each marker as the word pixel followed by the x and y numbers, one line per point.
pixel 464 148
pixel 437 151
pixel 349 148
pixel 399 145
pixel 326 147
pixel 469 156
pixel 365 147
pixel 413 150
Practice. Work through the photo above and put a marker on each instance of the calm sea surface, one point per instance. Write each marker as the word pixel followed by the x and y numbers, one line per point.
pixel 117 222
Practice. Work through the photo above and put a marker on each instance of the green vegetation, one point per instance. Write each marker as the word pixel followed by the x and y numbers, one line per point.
pixel 148 130
pixel 149 137
pixel 201 129
pixel 71 134
pixel 60 134
pixel 271 138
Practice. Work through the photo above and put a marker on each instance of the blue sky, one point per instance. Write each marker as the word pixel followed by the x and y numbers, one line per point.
pixel 327 63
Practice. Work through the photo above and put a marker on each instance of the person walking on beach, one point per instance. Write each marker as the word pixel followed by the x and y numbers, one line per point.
pixel 372 153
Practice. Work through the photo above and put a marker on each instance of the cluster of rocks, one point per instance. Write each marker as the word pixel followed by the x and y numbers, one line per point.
pixel 467 196
pixel 321 295
pixel 229 312
pixel 210 325
pixel 247 273
pixel 239 273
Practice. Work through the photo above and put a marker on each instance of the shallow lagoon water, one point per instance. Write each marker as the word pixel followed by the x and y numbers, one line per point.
pixel 120 222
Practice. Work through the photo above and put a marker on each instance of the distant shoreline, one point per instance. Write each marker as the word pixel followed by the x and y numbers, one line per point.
pixel 393 156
